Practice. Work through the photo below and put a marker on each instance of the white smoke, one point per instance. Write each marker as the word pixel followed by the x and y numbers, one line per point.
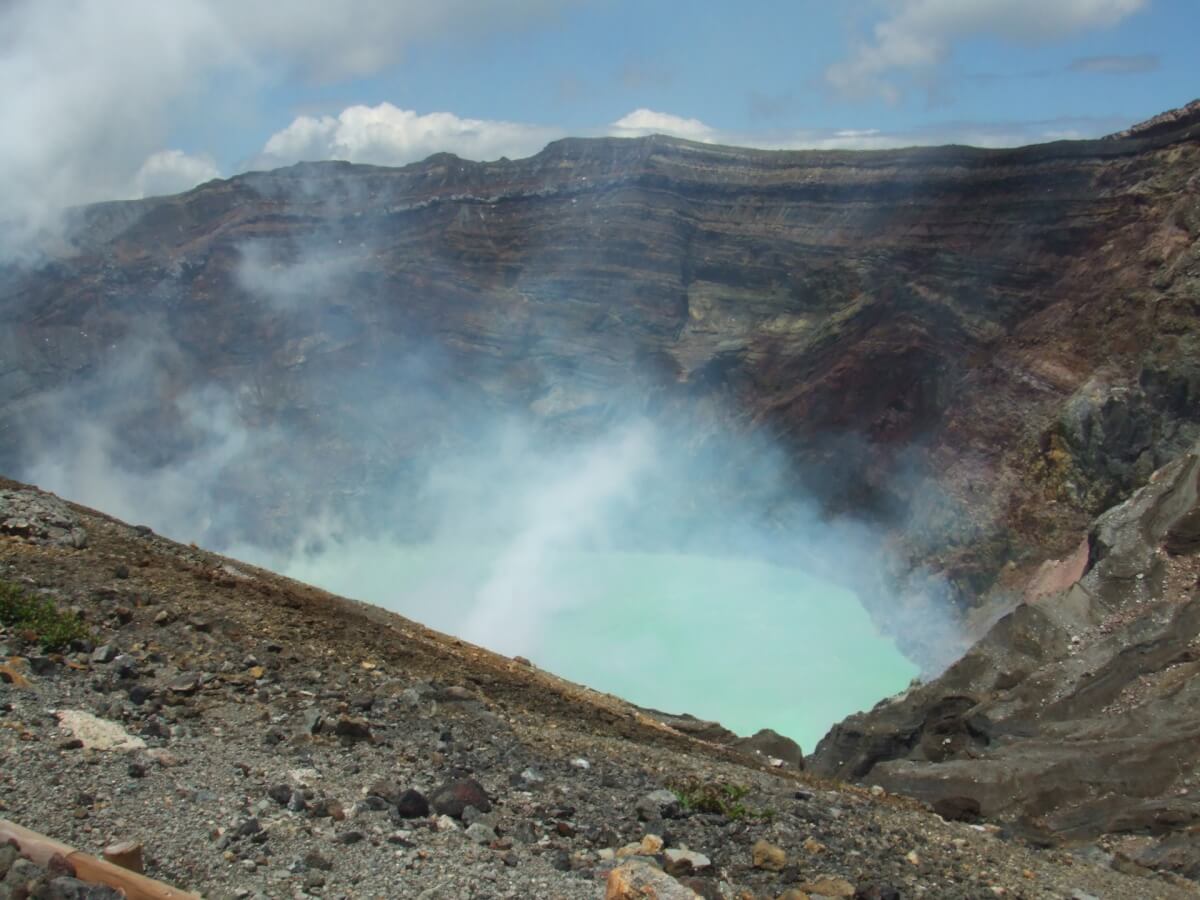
pixel 574 501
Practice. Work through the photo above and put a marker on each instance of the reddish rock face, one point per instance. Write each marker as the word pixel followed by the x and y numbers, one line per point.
pixel 980 348
pixel 1057 575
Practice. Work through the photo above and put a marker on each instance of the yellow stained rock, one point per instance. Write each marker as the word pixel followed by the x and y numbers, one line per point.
pixel 828 887
pixel 767 856
pixel 650 845
pixel 634 880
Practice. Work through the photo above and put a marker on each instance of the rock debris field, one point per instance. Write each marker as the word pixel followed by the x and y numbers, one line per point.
pixel 261 738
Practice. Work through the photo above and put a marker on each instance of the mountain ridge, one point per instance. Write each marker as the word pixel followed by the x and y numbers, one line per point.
pixel 755 291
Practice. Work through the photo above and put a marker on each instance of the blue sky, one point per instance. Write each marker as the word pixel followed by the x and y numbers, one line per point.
pixel 119 99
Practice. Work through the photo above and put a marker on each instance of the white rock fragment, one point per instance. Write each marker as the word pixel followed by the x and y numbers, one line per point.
pixel 96 733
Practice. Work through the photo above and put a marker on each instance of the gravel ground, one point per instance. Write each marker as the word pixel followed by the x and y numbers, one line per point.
pixel 296 744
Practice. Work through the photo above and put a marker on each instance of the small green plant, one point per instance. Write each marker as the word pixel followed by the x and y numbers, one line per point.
pixel 53 628
pixel 721 797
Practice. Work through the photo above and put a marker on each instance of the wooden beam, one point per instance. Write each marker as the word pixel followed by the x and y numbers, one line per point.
pixel 40 849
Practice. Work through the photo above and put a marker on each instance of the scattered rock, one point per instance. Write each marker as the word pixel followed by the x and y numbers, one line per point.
pixel 685 862
pixel 827 886
pixel 184 684
pixel 97 734
pixel 481 833
pixel 531 777
pixel 105 653
pixel 877 892
pixel 386 790
pixel 314 860
pixel 411 804
pixel 40 665
pixel 248 827
pixel 659 804
pixel 314 880
pixel 635 880
pixel 957 808
pixel 312 720
pixel 765 855
pixel 126 854
pixel 352 728
pixel 650 845
pixel 707 888
pixel 452 798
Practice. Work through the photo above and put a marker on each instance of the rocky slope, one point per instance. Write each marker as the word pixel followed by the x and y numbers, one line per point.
pixel 1075 716
pixel 259 737
pixel 981 349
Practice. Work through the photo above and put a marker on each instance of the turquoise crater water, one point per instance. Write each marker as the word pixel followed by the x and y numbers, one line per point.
pixel 742 641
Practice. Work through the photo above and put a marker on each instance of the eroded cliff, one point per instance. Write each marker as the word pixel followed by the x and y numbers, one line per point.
pixel 979 348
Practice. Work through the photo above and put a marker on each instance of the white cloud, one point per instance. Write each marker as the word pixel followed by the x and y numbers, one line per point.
pixel 642 122
pixel 919 35
pixel 172 171
pixel 388 136
pixel 89 90
pixel 85 93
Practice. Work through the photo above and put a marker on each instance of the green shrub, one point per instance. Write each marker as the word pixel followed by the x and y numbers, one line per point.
pixel 722 797
pixel 54 629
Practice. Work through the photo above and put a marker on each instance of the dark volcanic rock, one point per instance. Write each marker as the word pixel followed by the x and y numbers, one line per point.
pixel 764 743
pixel 411 804
pixel 452 798
pixel 1075 715
pixel 352 729
pixel 388 791
pixel 957 808
pixel 769 743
